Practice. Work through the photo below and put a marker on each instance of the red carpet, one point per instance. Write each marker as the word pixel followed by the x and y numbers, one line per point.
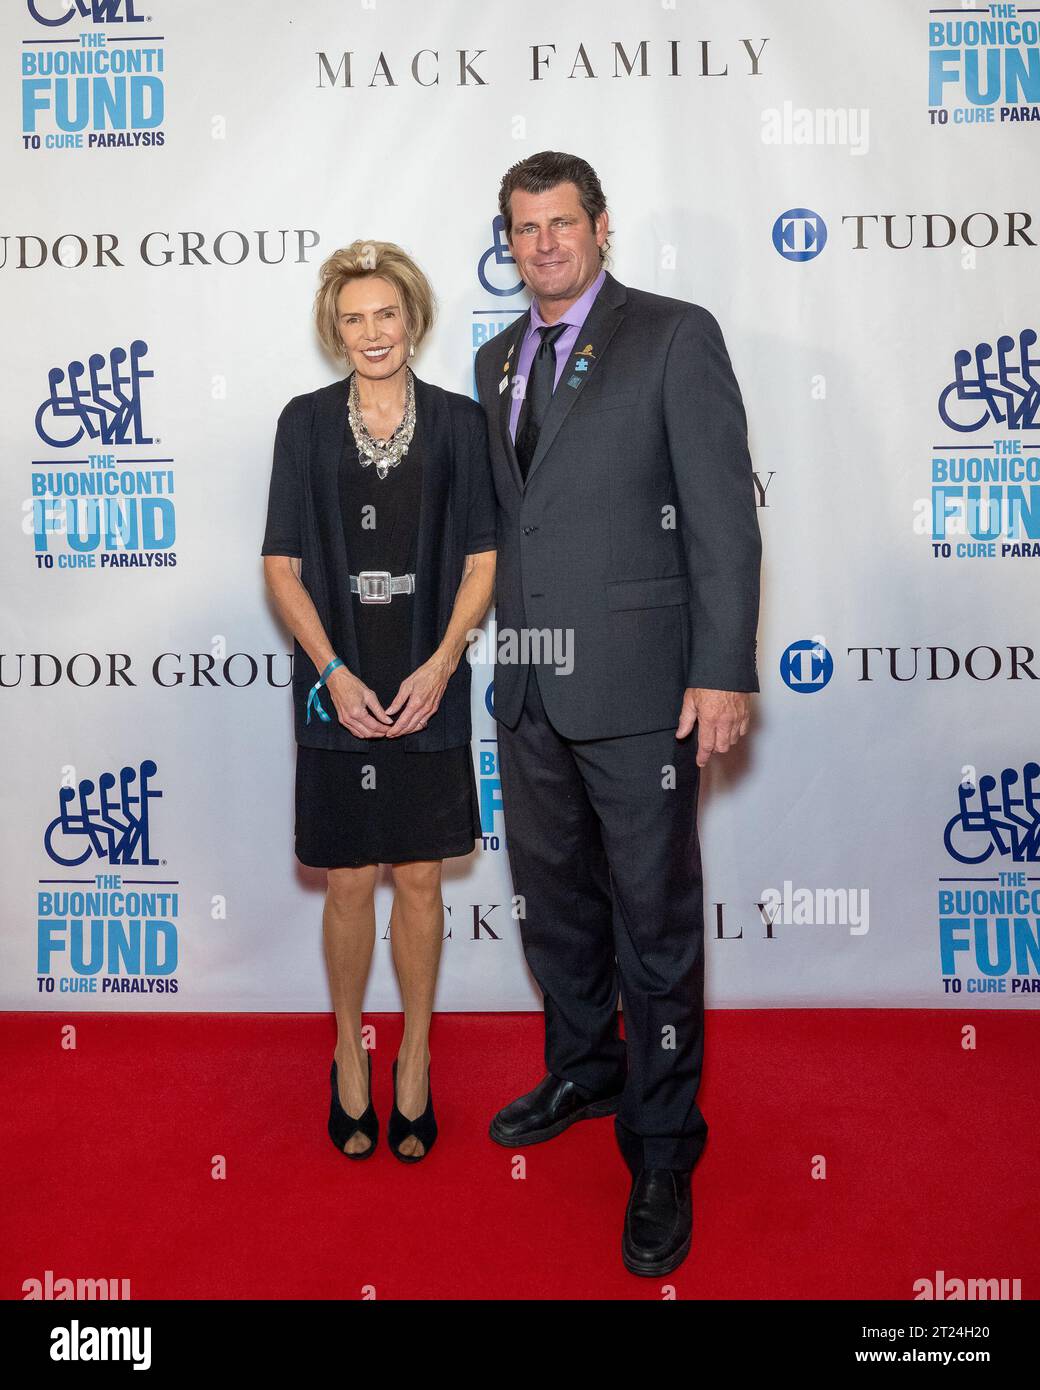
pixel 932 1155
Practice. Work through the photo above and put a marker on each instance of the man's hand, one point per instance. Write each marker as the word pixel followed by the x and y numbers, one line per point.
pixel 721 716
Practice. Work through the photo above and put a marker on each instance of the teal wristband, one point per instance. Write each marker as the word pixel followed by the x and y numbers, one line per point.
pixel 312 699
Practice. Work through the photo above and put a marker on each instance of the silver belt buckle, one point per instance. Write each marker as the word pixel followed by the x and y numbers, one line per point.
pixel 374 586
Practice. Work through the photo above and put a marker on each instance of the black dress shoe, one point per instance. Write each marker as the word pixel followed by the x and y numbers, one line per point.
pixel 546 1111
pixel 658 1222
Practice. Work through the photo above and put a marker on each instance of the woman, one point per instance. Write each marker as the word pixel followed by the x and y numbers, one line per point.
pixel 380 556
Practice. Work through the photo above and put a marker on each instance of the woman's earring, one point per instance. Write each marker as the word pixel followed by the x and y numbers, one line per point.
pixel 411 349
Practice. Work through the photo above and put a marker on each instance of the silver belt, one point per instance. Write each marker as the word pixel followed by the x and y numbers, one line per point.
pixel 379 586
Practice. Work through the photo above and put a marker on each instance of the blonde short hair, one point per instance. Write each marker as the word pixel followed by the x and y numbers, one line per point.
pixel 366 258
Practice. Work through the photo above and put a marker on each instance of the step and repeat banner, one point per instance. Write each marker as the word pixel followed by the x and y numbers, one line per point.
pixel 850 189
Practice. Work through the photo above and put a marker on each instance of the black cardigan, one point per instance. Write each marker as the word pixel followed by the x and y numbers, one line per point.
pixel 456 518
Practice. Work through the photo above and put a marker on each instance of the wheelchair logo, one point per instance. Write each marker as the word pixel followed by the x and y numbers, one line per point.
pixel 55 12
pixel 984 391
pixel 101 400
pixel 497 254
pixel 1003 822
pixel 110 827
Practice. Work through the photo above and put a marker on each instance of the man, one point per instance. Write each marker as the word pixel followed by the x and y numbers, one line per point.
pixel 627 527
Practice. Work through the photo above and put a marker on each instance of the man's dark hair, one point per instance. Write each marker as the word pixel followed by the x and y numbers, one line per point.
pixel 540 172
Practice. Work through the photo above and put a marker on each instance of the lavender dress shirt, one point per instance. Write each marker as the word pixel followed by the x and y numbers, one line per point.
pixel 573 318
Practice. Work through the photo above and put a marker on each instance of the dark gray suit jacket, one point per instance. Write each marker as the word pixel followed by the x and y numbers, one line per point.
pixel 637 527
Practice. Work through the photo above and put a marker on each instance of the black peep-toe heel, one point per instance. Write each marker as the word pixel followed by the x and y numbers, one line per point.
pixel 424 1128
pixel 343 1127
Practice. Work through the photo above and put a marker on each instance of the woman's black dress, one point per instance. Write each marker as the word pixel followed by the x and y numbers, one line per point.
pixel 422 805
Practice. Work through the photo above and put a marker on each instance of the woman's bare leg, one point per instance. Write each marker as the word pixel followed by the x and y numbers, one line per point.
pixel 416 933
pixel 349 923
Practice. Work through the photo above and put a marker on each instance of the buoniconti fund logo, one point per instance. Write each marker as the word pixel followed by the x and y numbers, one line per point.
pixel 989 905
pixel 102 497
pixel 92 77
pixel 983 65
pixel 106 909
pixel 985 483
pixel 500 280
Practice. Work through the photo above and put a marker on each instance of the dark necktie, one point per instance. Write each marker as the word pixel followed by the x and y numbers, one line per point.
pixel 540 384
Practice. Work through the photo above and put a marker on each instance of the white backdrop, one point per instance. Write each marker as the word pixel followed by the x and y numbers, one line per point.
pixel 233 124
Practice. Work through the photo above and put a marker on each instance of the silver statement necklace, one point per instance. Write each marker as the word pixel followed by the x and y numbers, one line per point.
pixel 384 453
